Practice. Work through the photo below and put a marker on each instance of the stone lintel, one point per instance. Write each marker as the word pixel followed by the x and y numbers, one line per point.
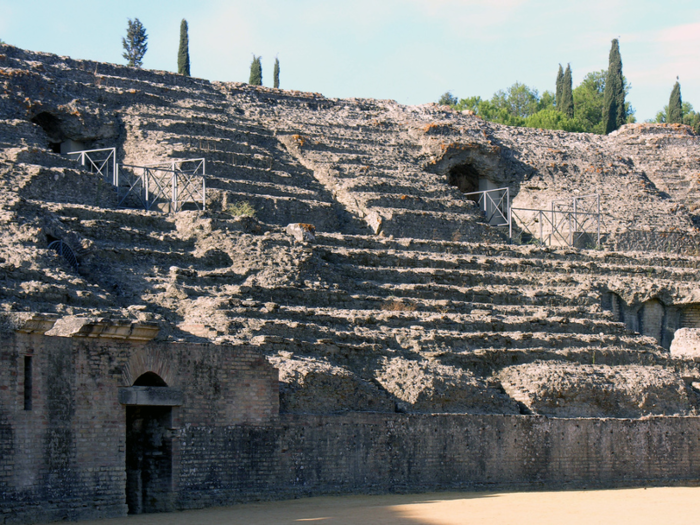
pixel 118 329
pixel 151 396
pixel 38 323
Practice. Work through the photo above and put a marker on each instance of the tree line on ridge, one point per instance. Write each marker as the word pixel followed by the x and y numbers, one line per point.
pixel 597 105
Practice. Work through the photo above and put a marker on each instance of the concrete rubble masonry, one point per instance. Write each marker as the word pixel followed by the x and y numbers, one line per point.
pixel 324 303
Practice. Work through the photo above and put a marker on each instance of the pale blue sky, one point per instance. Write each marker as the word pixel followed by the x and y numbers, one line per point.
pixel 411 51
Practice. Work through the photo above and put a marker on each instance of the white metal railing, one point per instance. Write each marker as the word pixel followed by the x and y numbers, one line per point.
pixel 173 183
pixel 556 227
pixel 495 205
pixel 573 222
pixel 101 161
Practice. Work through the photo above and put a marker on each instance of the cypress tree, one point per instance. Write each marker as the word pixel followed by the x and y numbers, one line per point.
pixel 560 80
pixel 276 73
pixel 614 114
pixel 675 106
pixel 567 94
pixel 183 54
pixel 134 44
pixel 255 72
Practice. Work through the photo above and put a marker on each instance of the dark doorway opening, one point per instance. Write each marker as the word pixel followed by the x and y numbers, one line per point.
pixel 149 464
pixel 465 178
pixel 52 126
pixel 148 459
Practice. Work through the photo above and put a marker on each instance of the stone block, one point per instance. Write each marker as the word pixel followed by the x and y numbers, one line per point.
pixel 151 396
pixel 686 343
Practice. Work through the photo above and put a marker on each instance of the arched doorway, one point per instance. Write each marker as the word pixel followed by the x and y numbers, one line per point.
pixel 149 444
pixel 651 319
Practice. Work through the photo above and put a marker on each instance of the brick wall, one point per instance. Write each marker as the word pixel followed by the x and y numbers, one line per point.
pixel 375 453
pixel 65 458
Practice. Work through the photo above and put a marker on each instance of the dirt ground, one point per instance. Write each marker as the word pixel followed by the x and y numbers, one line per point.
pixel 638 506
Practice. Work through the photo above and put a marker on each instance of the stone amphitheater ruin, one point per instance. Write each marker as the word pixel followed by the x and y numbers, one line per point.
pixel 366 329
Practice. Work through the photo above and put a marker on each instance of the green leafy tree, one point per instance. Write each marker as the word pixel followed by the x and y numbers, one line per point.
pixel 553 119
pixel 675 105
pixel 518 100
pixel 2 42
pixel 520 105
pixel 614 114
pixel 547 101
pixel 183 53
pixel 560 81
pixel 135 43
pixel 690 117
pixel 255 72
pixel 588 101
pixel 589 98
pixel 567 96
pixel 448 99
pixel 276 73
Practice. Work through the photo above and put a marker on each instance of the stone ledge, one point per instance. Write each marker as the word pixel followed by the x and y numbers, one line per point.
pixel 151 396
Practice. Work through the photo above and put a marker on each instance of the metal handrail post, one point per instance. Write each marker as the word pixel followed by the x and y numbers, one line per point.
pixel 598 244
pixel 571 229
pixel 540 219
pixel 114 167
pixel 146 184
pixel 173 204
pixel 510 225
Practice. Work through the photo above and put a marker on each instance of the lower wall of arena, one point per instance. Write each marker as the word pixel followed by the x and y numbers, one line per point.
pixel 79 453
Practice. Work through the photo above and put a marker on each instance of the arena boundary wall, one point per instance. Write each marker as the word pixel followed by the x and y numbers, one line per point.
pixel 68 457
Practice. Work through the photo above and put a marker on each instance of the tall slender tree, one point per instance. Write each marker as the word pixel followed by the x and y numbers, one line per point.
pixel 675 105
pixel 255 72
pixel 567 94
pixel 560 80
pixel 614 111
pixel 135 43
pixel 183 53
pixel 276 73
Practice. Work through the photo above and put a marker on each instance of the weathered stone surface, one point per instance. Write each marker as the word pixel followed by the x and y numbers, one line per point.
pixel 301 232
pixel 566 390
pixel 686 343
pixel 431 387
pixel 403 269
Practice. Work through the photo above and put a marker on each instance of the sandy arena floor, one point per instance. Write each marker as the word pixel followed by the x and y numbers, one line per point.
pixel 655 506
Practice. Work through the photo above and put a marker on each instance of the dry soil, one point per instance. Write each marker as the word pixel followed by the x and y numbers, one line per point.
pixel 639 506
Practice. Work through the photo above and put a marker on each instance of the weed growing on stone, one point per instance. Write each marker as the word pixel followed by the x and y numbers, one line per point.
pixel 241 209
pixel 398 306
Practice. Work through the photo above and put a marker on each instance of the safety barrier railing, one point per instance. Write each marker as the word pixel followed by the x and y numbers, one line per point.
pixel 173 183
pixel 101 161
pixel 552 227
pixel 495 205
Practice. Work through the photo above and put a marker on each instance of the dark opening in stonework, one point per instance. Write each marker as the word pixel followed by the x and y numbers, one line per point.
pixel 149 453
pixel 466 178
pixel 28 382
pixel 149 379
pixel 52 126
pixel 148 459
